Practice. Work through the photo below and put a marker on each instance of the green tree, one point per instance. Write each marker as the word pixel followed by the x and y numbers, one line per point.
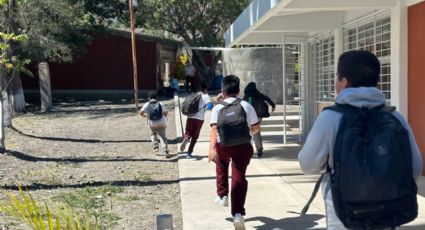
pixel 56 31
pixel 115 13
pixel 199 22
pixel 9 65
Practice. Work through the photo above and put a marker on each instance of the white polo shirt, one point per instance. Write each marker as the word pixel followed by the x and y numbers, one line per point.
pixel 204 100
pixel 251 115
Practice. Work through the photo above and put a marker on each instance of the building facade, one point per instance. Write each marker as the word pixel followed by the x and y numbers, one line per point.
pixel 323 29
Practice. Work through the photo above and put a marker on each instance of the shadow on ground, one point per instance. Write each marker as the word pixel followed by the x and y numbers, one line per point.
pixel 26 157
pixel 124 183
pixel 289 153
pixel 308 221
pixel 174 141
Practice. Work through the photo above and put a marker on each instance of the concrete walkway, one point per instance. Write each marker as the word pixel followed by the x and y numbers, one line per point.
pixel 277 191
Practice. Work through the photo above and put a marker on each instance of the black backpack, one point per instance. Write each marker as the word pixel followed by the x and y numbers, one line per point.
pixel 191 104
pixel 154 110
pixel 261 107
pixel 372 180
pixel 232 126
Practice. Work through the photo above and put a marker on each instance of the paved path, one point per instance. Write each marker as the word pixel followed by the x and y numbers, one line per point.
pixel 277 191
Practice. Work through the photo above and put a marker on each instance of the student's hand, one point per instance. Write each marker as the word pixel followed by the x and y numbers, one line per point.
pixel 212 156
pixel 255 128
pixel 273 108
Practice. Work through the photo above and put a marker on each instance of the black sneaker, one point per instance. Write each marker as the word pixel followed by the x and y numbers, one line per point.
pixel 260 152
pixel 167 154
pixel 155 148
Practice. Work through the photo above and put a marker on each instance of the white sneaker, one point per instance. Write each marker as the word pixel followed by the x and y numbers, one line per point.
pixel 222 201
pixel 183 145
pixel 238 222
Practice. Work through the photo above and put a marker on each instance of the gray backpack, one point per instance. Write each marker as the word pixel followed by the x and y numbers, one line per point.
pixel 232 126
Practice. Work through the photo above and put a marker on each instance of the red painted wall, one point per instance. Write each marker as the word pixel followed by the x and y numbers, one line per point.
pixel 106 65
pixel 416 84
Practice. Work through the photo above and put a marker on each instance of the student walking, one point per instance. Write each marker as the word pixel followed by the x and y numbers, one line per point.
pixel 232 123
pixel 261 103
pixel 190 73
pixel 194 107
pixel 368 151
pixel 156 113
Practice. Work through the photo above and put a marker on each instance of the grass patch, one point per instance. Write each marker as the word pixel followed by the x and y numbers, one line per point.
pixel 88 198
pixel 142 177
pixel 94 200
pixel 128 198
pixel 46 176
pixel 108 218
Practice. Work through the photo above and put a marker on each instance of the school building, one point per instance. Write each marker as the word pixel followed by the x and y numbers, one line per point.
pixel 312 35
pixel 105 70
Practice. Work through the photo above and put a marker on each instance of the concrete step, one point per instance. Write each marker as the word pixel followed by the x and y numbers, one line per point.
pixel 291 120
pixel 280 113
pixel 271 128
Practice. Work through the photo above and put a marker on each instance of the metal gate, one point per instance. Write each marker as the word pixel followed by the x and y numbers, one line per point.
pixel 294 89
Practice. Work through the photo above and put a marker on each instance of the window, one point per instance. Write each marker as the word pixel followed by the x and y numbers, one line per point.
pixel 325 72
pixel 373 33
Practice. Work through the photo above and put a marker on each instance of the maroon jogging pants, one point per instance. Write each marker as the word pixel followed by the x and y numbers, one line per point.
pixel 240 156
pixel 193 128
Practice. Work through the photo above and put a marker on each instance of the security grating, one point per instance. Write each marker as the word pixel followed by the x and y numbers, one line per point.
pixel 372 33
pixel 324 66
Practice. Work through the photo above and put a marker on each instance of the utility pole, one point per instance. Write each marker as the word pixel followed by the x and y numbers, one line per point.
pixel 133 49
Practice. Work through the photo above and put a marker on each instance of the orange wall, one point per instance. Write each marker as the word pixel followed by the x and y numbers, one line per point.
pixel 416 20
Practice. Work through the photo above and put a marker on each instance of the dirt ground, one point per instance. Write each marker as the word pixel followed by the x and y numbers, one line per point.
pixel 97 156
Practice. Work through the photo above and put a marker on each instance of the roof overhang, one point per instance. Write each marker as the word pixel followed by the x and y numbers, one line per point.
pixel 267 21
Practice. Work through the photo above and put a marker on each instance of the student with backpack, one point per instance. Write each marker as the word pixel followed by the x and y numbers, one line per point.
pixel 233 121
pixel 194 108
pixel 368 150
pixel 156 113
pixel 261 103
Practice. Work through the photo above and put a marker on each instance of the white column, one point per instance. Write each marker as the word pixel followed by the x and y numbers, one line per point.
pixel 338 49
pixel 399 55
pixel 284 88
pixel 45 86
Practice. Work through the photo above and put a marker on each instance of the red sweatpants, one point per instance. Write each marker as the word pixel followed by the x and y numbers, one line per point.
pixel 193 128
pixel 240 156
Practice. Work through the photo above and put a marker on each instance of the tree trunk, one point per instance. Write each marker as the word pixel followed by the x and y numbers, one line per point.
pixel 2 133
pixel 45 87
pixel 7 111
pixel 207 73
pixel 16 93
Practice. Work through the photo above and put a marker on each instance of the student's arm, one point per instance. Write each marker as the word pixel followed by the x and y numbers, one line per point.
pixel 142 110
pixel 212 154
pixel 218 98
pixel 271 103
pixel 314 155
pixel 164 109
pixel 252 119
pixel 417 161
pixel 143 114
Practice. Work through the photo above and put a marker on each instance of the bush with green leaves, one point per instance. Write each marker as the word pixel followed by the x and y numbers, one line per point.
pixel 25 209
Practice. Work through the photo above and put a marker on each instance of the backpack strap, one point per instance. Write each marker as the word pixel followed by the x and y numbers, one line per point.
pixel 341 108
pixel 235 102
pixel 388 109
pixel 313 194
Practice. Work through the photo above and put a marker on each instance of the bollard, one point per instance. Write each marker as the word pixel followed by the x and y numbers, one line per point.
pixel 164 222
